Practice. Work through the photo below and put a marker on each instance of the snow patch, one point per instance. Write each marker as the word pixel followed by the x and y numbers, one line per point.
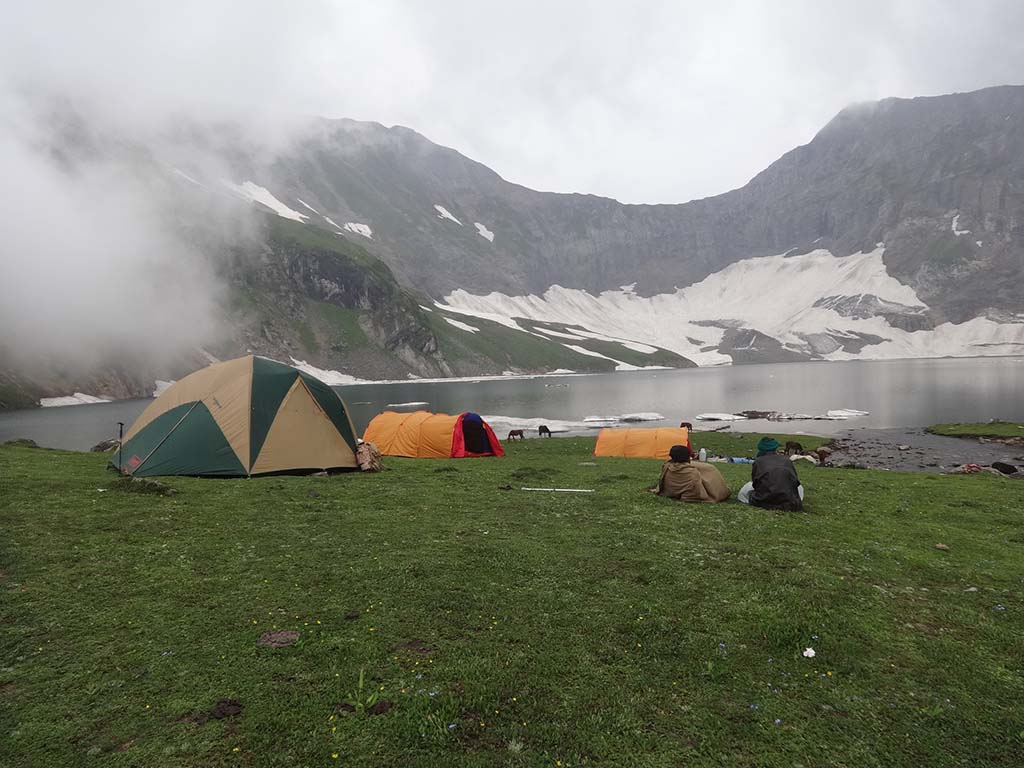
pixel 718 417
pixel 444 213
pixel 978 243
pixel 330 378
pixel 254 193
pixel 954 225
pixel 560 335
pixel 186 177
pixel 483 231
pixel 78 398
pixel 426 309
pixel 619 365
pixel 412 404
pixel 332 222
pixel 461 325
pixel 303 202
pixel 690 320
pixel 359 229
pixel 160 386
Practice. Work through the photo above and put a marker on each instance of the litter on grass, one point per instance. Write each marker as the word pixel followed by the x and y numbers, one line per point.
pixel 561 490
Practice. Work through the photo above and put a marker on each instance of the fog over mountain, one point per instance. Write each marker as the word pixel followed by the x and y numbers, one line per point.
pixel 169 196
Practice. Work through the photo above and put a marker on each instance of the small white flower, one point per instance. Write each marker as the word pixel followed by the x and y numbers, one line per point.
pixel 809 653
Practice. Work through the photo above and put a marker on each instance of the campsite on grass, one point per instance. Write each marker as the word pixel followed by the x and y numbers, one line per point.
pixel 435 614
pixel 512 385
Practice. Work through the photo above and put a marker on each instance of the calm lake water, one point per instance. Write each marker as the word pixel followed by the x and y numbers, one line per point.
pixel 896 393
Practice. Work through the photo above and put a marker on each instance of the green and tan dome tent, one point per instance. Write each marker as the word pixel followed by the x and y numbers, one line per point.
pixel 243 417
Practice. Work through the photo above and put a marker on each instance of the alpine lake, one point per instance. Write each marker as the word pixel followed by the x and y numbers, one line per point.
pixel 894 393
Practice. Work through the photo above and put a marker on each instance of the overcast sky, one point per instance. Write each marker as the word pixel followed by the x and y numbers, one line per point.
pixel 641 101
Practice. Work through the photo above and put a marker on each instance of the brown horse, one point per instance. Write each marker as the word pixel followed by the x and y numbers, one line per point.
pixel 515 434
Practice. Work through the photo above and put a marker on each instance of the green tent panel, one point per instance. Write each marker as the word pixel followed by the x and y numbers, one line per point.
pixel 243 417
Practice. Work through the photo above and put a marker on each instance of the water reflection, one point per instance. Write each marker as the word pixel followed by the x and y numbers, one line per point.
pixel 897 393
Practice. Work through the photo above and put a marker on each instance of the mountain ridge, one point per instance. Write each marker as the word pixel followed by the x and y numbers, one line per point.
pixel 413 239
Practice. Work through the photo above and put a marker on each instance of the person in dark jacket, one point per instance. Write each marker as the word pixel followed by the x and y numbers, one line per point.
pixel 774 483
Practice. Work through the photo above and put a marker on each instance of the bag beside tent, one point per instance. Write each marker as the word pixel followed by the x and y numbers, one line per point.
pixel 243 417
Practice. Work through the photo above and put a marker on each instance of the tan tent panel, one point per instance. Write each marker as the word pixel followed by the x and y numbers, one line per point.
pixel 640 443
pixel 204 383
pixel 302 437
pixel 240 418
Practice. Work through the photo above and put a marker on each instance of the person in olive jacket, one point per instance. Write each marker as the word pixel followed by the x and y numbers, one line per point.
pixel 774 483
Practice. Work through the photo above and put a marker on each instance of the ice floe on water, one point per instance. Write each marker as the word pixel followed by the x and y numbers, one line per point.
pixel 502 422
pixel 838 414
pixel 644 416
pixel 78 398
pixel 254 193
pixel 444 213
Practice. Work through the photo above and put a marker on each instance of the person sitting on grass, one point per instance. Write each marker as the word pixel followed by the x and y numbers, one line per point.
pixel 774 483
pixel 684 480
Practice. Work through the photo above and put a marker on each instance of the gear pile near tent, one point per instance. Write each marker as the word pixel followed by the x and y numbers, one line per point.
pixel 243 417
pixel 640 443
pixel 424 435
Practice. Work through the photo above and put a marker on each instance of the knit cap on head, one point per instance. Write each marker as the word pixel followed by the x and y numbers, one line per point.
pixel 679 453
pixel 767 445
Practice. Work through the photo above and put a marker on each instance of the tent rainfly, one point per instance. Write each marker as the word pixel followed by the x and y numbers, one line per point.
pixel 640 443
pixel 243 417
pixel 423 435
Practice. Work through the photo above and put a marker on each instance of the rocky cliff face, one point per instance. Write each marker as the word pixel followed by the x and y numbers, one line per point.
pixel 897 231
pixel 898 171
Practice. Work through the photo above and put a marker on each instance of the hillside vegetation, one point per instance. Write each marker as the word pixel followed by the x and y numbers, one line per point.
pixel 446 617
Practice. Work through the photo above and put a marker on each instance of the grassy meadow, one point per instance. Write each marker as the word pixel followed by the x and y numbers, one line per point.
pixel 446 621
pixel 990 429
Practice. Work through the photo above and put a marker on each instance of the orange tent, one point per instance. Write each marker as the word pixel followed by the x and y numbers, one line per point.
pixel 423 435
pixel 640 443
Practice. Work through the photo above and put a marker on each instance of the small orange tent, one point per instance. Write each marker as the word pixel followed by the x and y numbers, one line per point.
pixel 424 435
pixel 640 443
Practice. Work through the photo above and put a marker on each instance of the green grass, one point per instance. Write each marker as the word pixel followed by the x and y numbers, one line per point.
pixel 614 628
pixel 340 323
pixel 987 429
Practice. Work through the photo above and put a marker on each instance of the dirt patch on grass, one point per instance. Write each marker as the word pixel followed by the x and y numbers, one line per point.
pixel 279 639
pixel 352 615
pixel 382 707
pixel 414 646
pixel 224 708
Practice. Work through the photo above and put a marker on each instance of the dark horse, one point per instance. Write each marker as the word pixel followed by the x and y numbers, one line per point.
pixel 543 431
pixel 515 434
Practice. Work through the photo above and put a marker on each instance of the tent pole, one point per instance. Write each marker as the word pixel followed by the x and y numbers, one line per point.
pixel 120 442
